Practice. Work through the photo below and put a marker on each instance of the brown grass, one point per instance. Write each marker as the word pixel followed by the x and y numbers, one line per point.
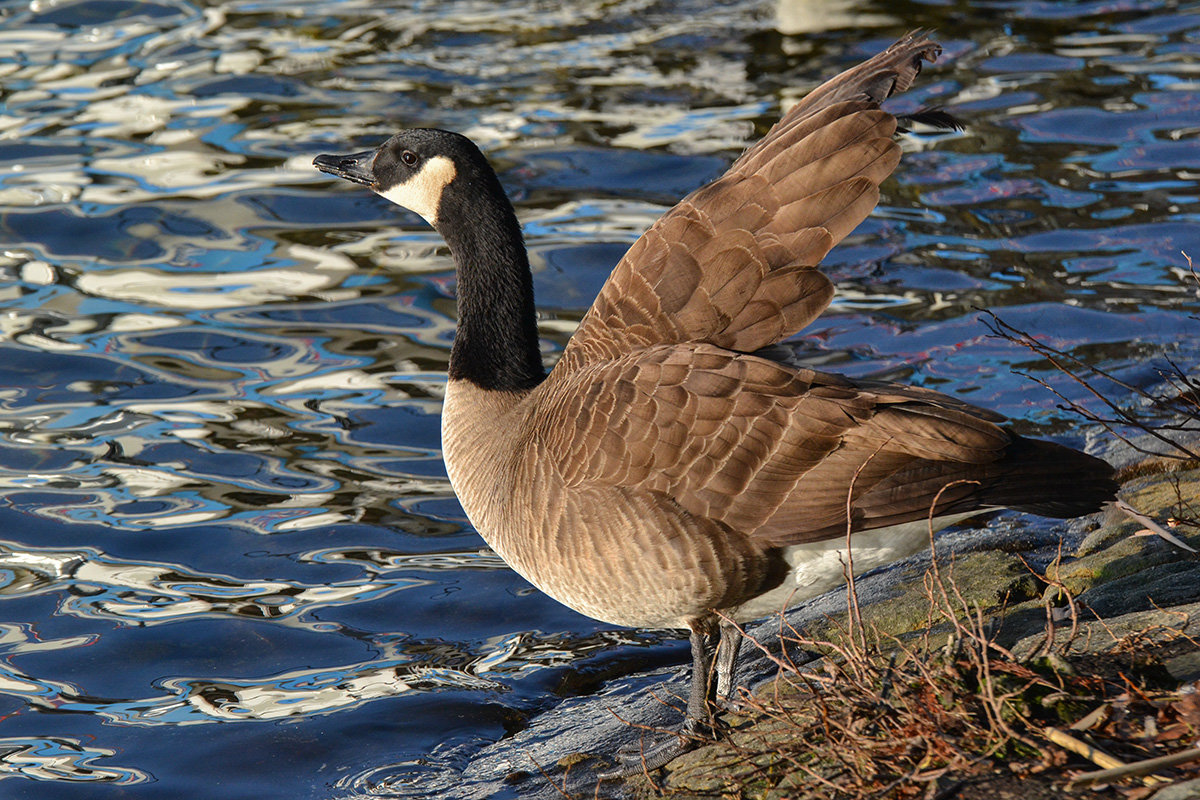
pixel 949 713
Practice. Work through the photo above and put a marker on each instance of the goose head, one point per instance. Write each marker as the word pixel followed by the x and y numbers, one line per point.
pixel 431 172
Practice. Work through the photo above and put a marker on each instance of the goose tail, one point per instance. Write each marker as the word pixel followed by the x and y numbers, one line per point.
pixel 1050 480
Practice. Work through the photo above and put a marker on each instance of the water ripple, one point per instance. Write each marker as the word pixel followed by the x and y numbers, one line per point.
pixel 228 370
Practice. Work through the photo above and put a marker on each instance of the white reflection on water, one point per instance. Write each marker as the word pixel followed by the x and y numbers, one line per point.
pixel 810 16
pixel 61 759
pixel 198 701
pixel 313 271
pixel 374 559
pixel 403 666
pixel 145 592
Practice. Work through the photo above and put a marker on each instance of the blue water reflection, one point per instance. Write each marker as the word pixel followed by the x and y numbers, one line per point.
pixel 229 553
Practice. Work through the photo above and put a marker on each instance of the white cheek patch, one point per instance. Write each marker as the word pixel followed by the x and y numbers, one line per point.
pixel 422 192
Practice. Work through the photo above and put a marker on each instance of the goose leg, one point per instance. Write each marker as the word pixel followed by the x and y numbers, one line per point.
pixel 699 715
pixel 647 758
pixel 727 661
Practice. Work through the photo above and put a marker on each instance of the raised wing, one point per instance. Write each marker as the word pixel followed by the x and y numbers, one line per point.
pixel 734 263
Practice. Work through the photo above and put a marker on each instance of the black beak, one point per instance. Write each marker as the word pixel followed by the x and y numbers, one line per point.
pixel 355 167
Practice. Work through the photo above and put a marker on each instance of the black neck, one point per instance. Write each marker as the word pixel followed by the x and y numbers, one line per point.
pixel 496 343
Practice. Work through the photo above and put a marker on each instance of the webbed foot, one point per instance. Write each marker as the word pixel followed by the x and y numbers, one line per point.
pixel 656 749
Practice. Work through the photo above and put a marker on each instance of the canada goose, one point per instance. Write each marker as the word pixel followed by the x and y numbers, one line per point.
pixel 662 475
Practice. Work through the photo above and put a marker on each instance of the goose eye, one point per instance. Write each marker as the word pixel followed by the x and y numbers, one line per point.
pixel 409 157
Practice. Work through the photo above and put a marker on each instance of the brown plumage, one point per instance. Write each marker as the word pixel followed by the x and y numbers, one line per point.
pixel 660 474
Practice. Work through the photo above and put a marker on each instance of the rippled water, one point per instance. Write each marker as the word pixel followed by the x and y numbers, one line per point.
pixel 230 562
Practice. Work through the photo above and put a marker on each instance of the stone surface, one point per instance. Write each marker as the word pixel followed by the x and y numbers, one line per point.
pixel 1184 668
pixel 1095 635
pixel 1185 790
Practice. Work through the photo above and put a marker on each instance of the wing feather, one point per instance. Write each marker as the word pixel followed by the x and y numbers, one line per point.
pixel 783 454
pixel 733 264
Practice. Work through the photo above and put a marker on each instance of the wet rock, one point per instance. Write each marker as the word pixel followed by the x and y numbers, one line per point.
pixel 1186 790
pixel 1184 668
pixel 1092 636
